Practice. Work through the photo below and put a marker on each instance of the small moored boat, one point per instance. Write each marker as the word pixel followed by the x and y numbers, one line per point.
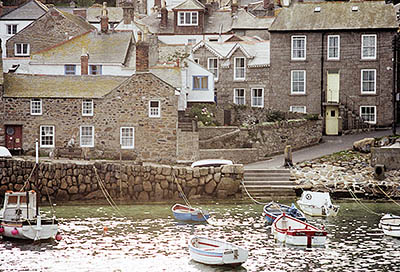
pixel 214 252
pixel 292 231
pixel 21 219
pixel 272 210
pixel 211 162
pixel 317 204
pixel 186 213
pixel 390 225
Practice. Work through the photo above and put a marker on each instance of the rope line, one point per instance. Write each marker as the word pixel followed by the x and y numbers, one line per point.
pixel 255 201
pixel 388 195
pixel 27 180
pixel 353 195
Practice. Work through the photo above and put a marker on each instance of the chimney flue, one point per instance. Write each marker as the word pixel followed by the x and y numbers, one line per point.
pixel 84 62
pixel 104 18
pixel 164 14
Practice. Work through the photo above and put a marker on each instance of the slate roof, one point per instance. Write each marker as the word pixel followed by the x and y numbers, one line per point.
pixel 336 15
pixel 31 10
pixel 190 5
pixel 102 48
pixel 171 75
pixel 257 52
pixel 40 86
pixel 115 14
pixel 246 20
pixel 79 21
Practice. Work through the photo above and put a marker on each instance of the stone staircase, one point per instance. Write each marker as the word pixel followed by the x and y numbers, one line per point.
pixel 263 184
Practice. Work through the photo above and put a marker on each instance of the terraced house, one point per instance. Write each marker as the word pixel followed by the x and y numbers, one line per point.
pixel 334 59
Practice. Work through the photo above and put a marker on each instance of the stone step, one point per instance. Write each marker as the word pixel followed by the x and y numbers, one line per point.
pixel 267 171
pixel 267 178
pixel 267 182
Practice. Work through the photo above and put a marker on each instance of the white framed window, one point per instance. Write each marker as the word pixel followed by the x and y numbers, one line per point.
pixel 333 47
pixel 87 107
pixel 47 136
pixel 298 82
pixel 299 44
pixel 191 41
pixel 213 67
pixel 368 81
pixel 69 69
pixel 239 96
pixel 36 106
pixel 300 109
pixel 154 108
pixel 200 82
pixel 95 69
pixel 368 46
pixel 12 29
pixel 239 68
pixel 87 136
pixel 127 137
pixel 257 97
pixel 368 114
pixel 188 18
pixel 21 49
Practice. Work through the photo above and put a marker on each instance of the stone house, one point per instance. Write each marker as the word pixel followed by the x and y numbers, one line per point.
pixel 241 71
pixel 192 21
pixel 15 20
pixel 335 60
pixel 93 117
pixel 47 31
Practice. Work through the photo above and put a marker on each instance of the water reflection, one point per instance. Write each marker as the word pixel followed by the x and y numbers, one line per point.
pixel 148 238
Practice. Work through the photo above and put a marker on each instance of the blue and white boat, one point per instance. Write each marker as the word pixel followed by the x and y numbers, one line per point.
pixel 272 210
pixel 214 252
pixel 186 213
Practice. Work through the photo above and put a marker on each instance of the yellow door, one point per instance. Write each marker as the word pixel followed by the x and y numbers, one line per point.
pixel 332 120
pixel 333 87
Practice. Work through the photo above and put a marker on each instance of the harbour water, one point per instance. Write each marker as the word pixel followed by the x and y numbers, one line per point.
pixel 148 238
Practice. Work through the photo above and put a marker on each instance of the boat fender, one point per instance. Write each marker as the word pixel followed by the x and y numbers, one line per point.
pixel 14 231
pixel 58 237
pixel 1 229
pixel 308 196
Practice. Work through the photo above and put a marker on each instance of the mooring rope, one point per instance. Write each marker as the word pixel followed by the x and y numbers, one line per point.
pixel 27 180
pixel 388 195
pixel 252 198
pixel 106 194
pixel 353 195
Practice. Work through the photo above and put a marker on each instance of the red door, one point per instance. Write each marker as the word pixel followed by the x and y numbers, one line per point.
pixel 13 137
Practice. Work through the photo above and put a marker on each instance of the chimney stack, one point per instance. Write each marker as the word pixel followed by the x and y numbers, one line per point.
pixel 84 62
pixel 157 3
pixel 128 12
pixel 104 19
pixel 142 53
pixel 234 6
pixel 164 14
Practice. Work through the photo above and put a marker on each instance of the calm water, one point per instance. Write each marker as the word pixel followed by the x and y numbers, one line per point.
pixel 147 238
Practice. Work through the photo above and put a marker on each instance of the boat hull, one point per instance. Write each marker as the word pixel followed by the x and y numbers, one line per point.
pixel 185 213
pixel 390 225
pixel 29 232
pixel 317 204
pixel 214 252
pixel 272 210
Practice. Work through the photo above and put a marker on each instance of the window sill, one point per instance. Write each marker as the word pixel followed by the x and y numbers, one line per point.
pixel 36 114
pixel 367 59
pixel 368 94
pixel 239 79
pixel 87 115
pixel 298 94
pixel 127 147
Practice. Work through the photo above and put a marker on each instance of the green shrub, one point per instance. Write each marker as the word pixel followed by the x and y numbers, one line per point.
pixel 205 114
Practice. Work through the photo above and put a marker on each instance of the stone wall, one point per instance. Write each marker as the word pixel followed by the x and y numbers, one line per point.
pixel 389 157
pixel 238 155
pixel 188 146
pixel 68 181
pixel 268 139
pixel 206 133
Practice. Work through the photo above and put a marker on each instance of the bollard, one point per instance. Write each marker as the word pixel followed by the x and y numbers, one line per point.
pixel 288 156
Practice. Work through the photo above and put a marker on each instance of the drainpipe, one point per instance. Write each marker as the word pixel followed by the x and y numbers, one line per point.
pixel 322 76
pixel 395 41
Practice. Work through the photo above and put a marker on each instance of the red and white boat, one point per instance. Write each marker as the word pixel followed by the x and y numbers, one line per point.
pixel 289 230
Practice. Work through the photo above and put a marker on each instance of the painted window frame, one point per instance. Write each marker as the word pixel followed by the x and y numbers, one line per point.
pixel 213 70
pixel 363 46
pixel 83 137
pixel 50 137
pixel 36 106
pixel 292 91
pixel 87 107
pixel 127 138
pixel 97 71
pixel 254 98
pixel 67 70
pixel 192 15
pixel 23 53
pixel 236 68
pixel 332 47
pixel 201 87
pixel 292 109
pixel 363 81
pixel 369 114
pixel 11 29
pixel 155 112
pixel 293 49
pixel 236 97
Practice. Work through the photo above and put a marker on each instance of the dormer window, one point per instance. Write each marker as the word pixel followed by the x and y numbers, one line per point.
pixel 188 18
